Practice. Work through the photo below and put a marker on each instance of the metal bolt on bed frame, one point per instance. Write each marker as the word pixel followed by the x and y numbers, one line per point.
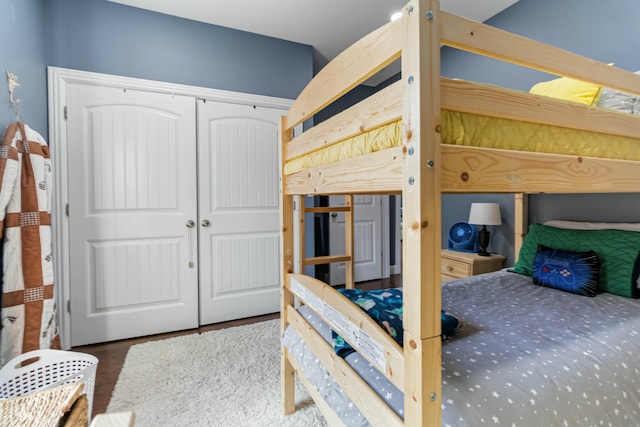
pixel 433 396
pixel 430 163
pixel 429 15
pixel 410 11
pixel 411 180
pixel 411 151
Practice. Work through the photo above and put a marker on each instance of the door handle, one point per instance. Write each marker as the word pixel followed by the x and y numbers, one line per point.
pixel 190 223
pixel 205 223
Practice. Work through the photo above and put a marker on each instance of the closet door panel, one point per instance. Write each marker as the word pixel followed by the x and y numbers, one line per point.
pixel 239 205
pixel 132 189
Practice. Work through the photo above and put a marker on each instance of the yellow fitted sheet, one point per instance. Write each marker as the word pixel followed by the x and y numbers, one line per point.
pixel 482 131
pixel 377 139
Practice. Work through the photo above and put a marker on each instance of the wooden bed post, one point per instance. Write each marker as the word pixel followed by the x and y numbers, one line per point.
pixel 300 255
pixel 521 221
pixel 348 242
pixel 421 216
pixel 286 257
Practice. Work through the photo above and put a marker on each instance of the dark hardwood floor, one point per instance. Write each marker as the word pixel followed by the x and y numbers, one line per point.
pixel 111 355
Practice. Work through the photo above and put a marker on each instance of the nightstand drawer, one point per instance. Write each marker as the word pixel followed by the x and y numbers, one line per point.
pixel 455 268
pixel 458 264
pixel 445 277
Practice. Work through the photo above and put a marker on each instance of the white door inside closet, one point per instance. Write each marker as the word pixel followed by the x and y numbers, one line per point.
pixel 367 239
pixel 238 210
pixel 132 192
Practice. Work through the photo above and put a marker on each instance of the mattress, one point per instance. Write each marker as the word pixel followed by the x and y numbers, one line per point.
pixel 481 131
pixel 525 355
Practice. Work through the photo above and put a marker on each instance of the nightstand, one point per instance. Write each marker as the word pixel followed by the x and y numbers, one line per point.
pixel 456 264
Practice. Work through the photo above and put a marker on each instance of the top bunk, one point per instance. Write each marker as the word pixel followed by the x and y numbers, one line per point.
pixel 477 137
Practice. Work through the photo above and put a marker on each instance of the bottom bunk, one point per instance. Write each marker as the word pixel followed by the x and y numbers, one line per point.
pixel 524 355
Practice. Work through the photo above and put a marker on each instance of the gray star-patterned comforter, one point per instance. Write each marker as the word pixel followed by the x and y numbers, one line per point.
pixel 525 356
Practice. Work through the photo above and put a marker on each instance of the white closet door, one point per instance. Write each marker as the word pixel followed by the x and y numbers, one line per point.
pixel 132 190
pixel 238 210
pixel 367 239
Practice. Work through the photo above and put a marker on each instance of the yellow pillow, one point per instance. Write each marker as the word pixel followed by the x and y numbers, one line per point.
pixel 569 90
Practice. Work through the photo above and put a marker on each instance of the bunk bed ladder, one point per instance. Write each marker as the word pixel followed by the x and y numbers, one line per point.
pixel 347 257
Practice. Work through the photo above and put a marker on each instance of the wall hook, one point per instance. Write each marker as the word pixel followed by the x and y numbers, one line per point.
pixel 12 82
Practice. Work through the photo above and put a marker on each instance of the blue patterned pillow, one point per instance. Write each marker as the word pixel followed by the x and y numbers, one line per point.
pixel 449 324
pixel 575 272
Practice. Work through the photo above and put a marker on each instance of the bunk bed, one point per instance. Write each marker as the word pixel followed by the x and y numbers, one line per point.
pixel 419 152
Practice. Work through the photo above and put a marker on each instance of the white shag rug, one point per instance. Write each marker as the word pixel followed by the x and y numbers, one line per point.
pixel 228 377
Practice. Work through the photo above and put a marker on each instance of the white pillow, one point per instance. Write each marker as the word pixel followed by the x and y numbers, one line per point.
pixel 581 225
pixel 612 99
pixel 618 101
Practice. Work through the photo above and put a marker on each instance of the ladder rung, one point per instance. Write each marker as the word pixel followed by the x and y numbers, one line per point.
pixel 326 259
pixel 327 209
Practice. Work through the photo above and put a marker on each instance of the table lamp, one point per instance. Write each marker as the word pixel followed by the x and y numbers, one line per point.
pixel 484 214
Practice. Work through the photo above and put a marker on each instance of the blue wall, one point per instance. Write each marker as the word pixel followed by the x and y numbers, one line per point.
pixel 106 37
pixel 100 36
pixel 22 52
pixel 579 26
pixel 605 32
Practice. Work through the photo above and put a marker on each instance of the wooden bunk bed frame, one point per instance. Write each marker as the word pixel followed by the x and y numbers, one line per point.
pixel 421 169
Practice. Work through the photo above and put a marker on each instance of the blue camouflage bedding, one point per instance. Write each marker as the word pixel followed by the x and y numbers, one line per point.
pixel 385 307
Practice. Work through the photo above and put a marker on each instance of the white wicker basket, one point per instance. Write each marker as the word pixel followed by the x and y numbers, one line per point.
pixel 50 368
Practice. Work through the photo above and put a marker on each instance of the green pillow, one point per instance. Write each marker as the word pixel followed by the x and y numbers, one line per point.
pixel 617 250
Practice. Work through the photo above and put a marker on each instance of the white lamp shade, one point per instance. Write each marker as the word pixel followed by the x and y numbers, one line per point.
pixel 485 214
